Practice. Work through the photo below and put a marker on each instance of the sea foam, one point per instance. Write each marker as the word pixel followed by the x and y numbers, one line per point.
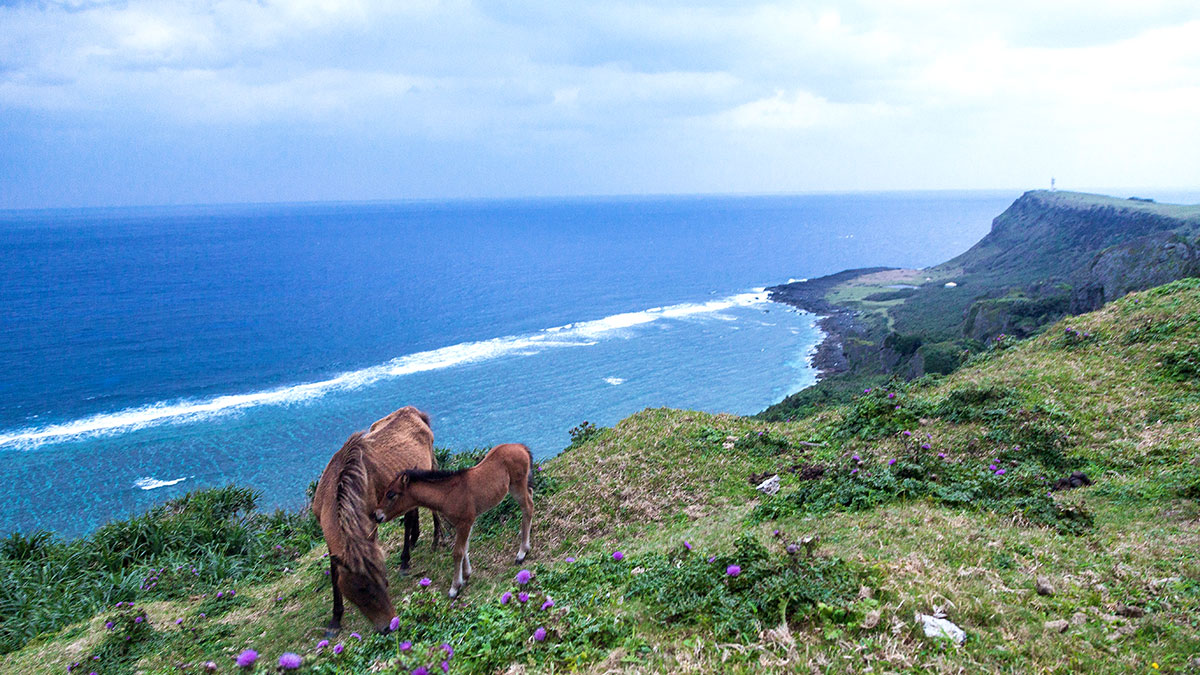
pixel 576 334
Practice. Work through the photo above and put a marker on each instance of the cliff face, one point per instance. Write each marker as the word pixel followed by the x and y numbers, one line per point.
pixel 1056 253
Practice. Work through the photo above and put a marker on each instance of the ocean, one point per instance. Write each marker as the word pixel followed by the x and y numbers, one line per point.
pixel 151 351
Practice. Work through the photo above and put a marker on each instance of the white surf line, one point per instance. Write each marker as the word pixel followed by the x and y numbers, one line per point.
pixel 148 483
pixel 578 334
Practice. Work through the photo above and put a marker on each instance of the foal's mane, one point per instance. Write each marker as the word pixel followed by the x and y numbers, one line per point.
pixel 360 554
pixel 432 475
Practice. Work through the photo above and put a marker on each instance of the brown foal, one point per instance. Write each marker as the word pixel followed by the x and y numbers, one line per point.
pixel 462 495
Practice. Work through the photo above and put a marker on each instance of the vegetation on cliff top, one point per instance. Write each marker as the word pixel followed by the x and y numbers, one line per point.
pixel 713 575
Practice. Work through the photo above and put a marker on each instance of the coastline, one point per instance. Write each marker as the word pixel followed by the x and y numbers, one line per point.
pixel 835 321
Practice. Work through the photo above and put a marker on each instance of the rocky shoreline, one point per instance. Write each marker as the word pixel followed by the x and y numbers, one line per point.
pixel 835 321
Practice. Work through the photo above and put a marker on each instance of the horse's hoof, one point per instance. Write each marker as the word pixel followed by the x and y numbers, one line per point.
pixel 332 632
pixel 520 558
pixel 453 593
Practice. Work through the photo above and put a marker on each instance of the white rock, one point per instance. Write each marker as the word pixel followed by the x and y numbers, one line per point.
pixel 769 486
pixel 951 284
pixel 935 627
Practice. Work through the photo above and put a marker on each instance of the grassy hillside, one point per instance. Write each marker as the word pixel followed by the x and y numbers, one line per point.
pixel 932 496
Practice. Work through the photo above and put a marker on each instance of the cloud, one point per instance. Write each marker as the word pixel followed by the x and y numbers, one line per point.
pixel 698 90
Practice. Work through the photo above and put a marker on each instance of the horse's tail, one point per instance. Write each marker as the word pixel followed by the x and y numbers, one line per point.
pixel 361 554
pixel 529 480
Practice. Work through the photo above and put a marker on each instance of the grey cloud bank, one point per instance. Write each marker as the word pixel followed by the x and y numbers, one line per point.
pixel 157 102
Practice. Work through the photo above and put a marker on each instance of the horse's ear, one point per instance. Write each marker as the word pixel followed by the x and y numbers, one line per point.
pixel 404 479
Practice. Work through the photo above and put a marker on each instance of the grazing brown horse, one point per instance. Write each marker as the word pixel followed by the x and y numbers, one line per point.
pixel 462 495
pixel 351 488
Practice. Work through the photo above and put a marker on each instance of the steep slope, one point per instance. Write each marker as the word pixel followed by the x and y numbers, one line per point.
pixel 827 574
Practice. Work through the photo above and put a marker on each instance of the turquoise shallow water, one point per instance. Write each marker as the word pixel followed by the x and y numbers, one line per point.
pixel 153 351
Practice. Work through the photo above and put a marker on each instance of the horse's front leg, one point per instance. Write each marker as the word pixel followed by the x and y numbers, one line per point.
pixel 463 531
pixel 410 525
pixel 335 623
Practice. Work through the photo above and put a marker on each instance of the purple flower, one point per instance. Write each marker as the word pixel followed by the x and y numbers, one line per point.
pixel 992 467
pixel 395 623
pixel 139 619
pixel 570 559
pixel 523 598
pixel 220 594
pixel 446 664
pixel 524 576
pixel 906 433
pixel 617 555
pixel 891 396
pixel 290 661
pixel 108 625
pixel 1000 472
pixel 856 458
pixel 942 455
pixel 791 548
pixel 539 634
pixel 322 644
pixel 712 559
pixel 853 471
pixel 547 604
pixel 733 570
pixel 356 636
pixel 178 621
pixel 776 533
pixel 405 646
pixel 891 461
pixel 687 545
pixel 420 670
pixel 425 581
pixel 926 446
pixel 247 658
pixel 867 391
pixel 448 649
pixel 505 597
pixel 337 649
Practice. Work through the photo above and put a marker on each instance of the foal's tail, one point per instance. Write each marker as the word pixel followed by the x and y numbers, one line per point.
pixel 529 479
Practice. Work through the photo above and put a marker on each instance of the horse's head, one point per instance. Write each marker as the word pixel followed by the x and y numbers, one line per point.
pixel 396 500
pixel 368 590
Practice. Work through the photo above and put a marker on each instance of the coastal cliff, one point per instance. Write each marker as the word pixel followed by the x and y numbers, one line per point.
pixel 1049 255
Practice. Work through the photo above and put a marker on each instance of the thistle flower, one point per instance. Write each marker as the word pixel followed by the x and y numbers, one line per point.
pixel 926 446
pixel 448 649
pixel 992 467
pixel 617 555
pixel 446 664
pixel 395 623
pixel 337 649
pixel 523 598
pixel 891 461
pixel 108 625
pixel 942 455
pixel 356 636
pixel 1000 472
pixel 856 458
pixel 570 559
pixel 687 544
pixel 539 634
pixel 290 661
pixel 733 570
pixel 524 576
pixel 712 559
pixel 420 670
pixel 322 644
pixel 906 433
pixel 405 646
pixel 425 581
pixel 547 604
pixel 505 597
pixel 139 619
pixel 891 396
pixel 246 658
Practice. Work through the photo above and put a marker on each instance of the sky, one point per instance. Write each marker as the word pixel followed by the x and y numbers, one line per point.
pixel 146 102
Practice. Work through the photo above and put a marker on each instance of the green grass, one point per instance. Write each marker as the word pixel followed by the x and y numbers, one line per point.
pixel 833 567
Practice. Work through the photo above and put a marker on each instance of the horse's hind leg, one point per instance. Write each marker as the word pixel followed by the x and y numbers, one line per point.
pixel 335 624
pixel 524 498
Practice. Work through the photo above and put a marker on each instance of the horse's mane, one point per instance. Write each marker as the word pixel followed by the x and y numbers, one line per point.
pixel 433 475
pixel 360 554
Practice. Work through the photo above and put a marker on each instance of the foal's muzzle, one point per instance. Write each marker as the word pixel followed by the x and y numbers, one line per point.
pixel 379 516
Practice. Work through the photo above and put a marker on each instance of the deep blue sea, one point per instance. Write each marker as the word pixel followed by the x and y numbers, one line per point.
pixel 151 351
